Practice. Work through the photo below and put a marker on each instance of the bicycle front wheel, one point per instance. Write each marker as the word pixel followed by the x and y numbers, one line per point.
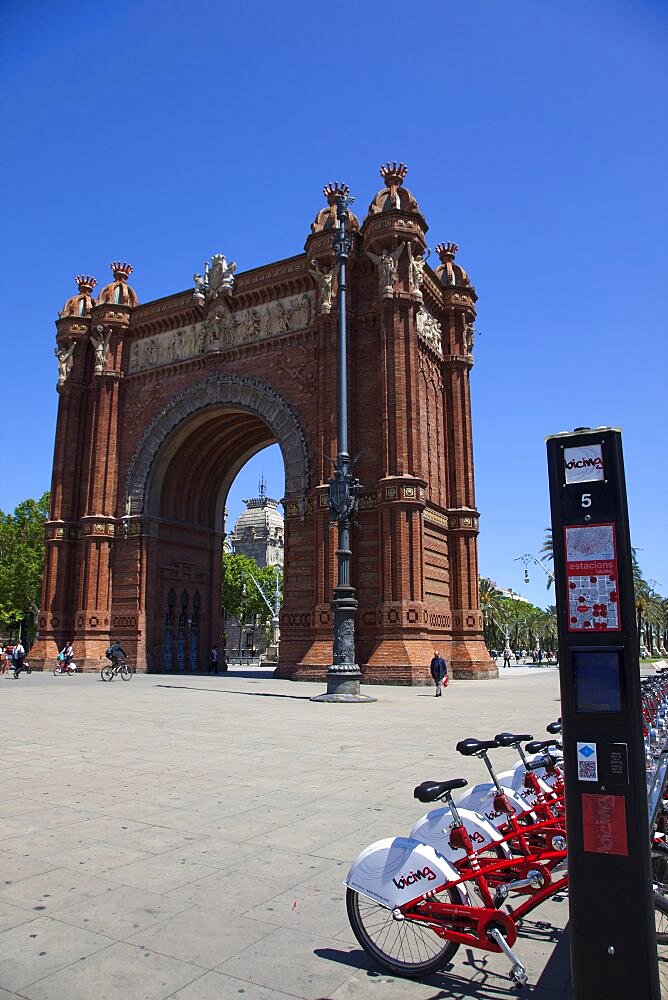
pixel 125 672
pixel 404 947
pixel 107 673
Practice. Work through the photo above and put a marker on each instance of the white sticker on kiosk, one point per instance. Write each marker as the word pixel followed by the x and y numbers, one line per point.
pixel 587 762
pixel 584 464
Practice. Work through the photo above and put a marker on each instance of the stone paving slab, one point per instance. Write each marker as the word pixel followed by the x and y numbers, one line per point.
pixel 188 836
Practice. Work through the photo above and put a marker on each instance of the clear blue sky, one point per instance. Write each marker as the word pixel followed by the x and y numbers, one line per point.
pixel 535 134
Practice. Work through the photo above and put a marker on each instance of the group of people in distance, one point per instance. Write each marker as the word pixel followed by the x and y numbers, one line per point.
pixel 12 657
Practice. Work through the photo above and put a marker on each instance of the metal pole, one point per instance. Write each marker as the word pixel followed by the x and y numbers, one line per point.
pixel 343 675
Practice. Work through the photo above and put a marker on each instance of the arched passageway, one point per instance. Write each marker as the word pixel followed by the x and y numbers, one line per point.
pixel 178 486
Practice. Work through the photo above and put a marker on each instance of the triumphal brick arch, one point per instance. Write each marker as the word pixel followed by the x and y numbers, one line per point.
pixel 161 404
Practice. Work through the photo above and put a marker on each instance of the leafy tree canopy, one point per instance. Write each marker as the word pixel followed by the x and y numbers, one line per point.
pixel 22 562
pixel 240 596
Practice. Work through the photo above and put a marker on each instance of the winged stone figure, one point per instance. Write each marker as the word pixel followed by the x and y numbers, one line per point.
pixel 387 265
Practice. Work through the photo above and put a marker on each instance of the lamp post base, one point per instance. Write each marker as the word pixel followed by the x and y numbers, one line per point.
pixel 343 686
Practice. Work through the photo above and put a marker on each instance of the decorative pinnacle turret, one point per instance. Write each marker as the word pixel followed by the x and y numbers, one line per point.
pixel 85 283
pixel 446 251
pixel 393 174
pixel 121 270
pixel 333 191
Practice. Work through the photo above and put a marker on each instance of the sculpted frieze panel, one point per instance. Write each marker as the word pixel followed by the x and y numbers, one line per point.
pixel 223 329
pixel 429 330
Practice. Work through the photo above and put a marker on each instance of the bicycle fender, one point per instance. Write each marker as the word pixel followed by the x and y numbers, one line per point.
pixel 480 799
pixel 399 870
pixel 515 779
pixel 434 829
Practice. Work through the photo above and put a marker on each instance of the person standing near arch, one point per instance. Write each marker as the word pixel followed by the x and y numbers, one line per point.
pixel 213 660
pixel 439 672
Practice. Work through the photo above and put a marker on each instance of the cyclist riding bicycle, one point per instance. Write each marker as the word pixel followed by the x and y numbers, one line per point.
pixel 66 654
pixel 114 654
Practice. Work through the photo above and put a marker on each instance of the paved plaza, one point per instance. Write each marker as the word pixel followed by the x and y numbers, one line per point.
pixel 187 837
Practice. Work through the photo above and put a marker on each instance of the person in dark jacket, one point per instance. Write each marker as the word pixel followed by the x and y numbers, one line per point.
pixel 114 653
pixel 439 671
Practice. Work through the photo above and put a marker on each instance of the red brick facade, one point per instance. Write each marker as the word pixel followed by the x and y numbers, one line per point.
pixel 161 404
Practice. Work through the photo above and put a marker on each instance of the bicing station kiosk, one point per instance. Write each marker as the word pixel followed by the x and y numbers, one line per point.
pixel 612 926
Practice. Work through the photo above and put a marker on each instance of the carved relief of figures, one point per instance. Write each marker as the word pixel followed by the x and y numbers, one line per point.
pixel 101 346
pixel 65 361
pixel 281 324
pixel 429 329
pixel 222 329
pixel 299 313
pixel 325 281
pixel 387 265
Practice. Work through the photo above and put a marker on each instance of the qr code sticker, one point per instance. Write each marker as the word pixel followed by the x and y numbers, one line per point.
pixel 587 770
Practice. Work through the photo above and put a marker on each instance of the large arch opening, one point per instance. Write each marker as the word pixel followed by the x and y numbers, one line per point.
pixel 179 483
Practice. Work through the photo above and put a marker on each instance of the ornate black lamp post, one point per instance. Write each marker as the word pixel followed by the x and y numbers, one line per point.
pixel 343 676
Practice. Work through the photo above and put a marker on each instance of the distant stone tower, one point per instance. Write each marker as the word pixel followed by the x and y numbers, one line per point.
pixel 259 532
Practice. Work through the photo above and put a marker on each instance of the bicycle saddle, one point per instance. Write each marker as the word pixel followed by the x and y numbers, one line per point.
pixel 509 739
pixel 554 727
pixel 471 746
pixel 537 745
pixel 429 791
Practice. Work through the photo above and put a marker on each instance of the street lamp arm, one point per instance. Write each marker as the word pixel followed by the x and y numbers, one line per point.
pixel 262 594
pixel 530 557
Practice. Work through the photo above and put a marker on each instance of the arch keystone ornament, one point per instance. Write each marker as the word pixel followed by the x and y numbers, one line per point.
pixel 355 347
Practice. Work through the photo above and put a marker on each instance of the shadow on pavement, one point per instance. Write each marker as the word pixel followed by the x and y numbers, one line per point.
pixel 556 976
pixel 483 984
pixel 249 694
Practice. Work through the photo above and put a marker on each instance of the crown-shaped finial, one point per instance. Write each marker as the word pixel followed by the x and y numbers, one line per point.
pixel 333 191
pixel 393 174
pixel 121 270
pixel 85 283
pixel 446 251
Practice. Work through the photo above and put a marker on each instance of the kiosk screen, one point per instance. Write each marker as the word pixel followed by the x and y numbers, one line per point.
pixel 597 680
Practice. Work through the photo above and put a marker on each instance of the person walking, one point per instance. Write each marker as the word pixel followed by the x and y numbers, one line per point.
pixel 506 657
pixel 213 660
pixel 18 656
pixel 439 672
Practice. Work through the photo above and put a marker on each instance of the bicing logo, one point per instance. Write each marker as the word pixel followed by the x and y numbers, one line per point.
pixel 405 880
pixel 583 465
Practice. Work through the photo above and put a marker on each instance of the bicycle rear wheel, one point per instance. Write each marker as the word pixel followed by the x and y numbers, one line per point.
pixel 404 947
pixel 107 673
pixel 125 672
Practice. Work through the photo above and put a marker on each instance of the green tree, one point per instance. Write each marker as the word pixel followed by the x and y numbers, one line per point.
pixel 492 607
pixel 240 596
pixel 22 564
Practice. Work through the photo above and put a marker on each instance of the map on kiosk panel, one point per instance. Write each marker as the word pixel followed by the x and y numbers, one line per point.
pixel 591 576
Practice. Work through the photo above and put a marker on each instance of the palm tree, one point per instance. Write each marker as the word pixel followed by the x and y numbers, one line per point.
pixel 491 605
pixel 547 552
